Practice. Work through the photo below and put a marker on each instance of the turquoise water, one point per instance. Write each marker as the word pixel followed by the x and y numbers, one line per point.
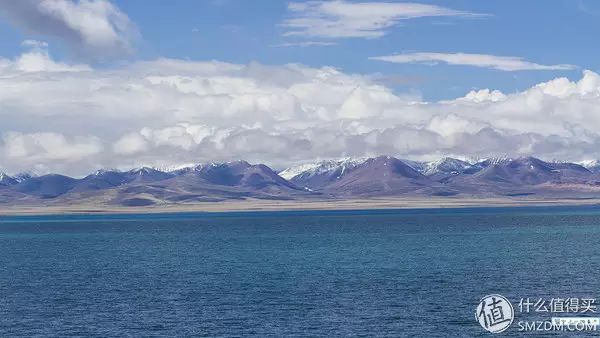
pixel 345 273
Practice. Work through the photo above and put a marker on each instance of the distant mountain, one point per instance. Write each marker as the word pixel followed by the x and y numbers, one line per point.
pixel 146 175
pixel 419 166
pixel 240 174
pixel 343 178
pixel 592 165
pixel 210 183
pixel 447 177
pixel 382 175
pixel 238 178
pixel 446 165
pixel 47 186
pixel 531 171
pixel 445 168
pixel 24 176
pixel 6 180
pixel 103 179
pixel 111 178
pixel 319 174
pixel 522 176
pixel 572 172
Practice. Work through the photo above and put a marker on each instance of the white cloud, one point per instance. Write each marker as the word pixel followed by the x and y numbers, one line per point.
pixel 47 146
pixel 304 44
pixel 483 95
pixel 130 144
pixel 183 136
pixel 93 28
pixel 451 124
pixel 171 111
pixel 34 44
pixel 505 63
pixel 343 19
pixel 38 60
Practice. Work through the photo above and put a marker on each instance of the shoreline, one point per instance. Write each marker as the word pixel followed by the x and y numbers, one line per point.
pixel 295 205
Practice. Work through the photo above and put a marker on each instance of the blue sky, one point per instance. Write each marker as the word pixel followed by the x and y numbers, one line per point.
pixel 121 83
pixel 547 32
pixel 241 31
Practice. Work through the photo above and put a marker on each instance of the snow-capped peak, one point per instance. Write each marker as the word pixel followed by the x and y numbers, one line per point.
pixel 176 167
pixel 143 170
pixel 497 160
pixel 589 163
pixel 6 180
pixel 100 172
pixel 292 172
pixel 322 167
pixel 24 176
pixel 446 165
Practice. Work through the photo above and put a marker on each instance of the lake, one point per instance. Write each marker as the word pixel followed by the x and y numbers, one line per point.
pixel 303 273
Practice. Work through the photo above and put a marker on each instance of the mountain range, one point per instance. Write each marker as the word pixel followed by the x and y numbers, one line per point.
pixel 382 176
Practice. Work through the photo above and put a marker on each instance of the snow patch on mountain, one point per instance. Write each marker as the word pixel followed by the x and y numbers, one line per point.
pixel 445 165
pixel 5 179
pixel 176 167
pixel 310 169
pixel 496 160
pixel 589 163
pixel 101 172
pixel 24 176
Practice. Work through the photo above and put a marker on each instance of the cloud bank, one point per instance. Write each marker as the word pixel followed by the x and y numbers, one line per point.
pixel 94 29
pixel 74 118
pixel 504 63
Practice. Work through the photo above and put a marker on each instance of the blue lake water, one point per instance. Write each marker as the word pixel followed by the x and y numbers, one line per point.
pixel 314 273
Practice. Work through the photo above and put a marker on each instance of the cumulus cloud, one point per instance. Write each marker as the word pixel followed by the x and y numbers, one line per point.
pixel 38 60
pixel 452 124
pixel 93 28
pixel 483 95
pixel 75 118
pixel 183 135
pixel 504 63
pixel 343 19
pixel 130 144
pixel 48 146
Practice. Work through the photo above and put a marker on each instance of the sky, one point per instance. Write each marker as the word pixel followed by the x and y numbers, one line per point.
pixel 92 84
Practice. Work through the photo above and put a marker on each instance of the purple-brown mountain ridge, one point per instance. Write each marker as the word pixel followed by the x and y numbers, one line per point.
pixel 351 178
